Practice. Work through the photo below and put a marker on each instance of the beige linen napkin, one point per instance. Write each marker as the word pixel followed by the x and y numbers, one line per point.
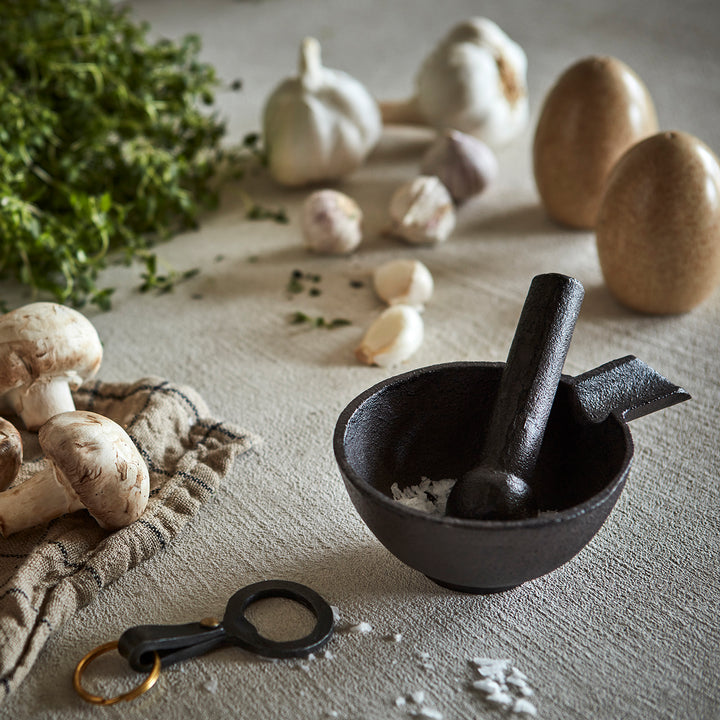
pixel 49 572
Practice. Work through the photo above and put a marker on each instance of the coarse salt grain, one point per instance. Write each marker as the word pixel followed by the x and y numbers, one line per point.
pixel 418 697
pixel 336 614
pixel 525 707
pixel 428 496
pixel 400 701
pixel 486 685
pixel 211 685
pixel 427 713
pixel 500 698
pixel 360 628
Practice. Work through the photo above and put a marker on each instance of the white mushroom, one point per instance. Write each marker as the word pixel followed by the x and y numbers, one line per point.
pixel 91 464
pixel 11 452
pixel 46 350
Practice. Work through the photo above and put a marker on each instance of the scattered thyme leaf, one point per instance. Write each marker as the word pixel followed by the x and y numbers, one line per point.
pixel 162 282
pixel 300 318
pixel 357 284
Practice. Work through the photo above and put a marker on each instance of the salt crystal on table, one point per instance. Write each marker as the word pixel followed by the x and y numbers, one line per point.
pixel 361 627
pixel 500 698
pixel 336 614
pixel 400 701
pixel 418 697
pixel 427 713
pixel 395 637
pixel 211 685
pixel 525 707
pixel 495 669
pixel 486 685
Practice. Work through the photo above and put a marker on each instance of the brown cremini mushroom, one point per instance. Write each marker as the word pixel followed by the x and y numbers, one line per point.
pixel 11 452
pixel 91 464
pixel 46 350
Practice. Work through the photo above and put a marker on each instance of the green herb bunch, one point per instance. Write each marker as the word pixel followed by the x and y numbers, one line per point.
pixel 104 142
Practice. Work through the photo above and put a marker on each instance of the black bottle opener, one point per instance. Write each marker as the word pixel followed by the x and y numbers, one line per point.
pixel 149 647
pixel 174 643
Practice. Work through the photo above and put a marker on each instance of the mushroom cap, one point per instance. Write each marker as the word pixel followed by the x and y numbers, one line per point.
pixel 11 451
pixel 45 340
pixel 96 459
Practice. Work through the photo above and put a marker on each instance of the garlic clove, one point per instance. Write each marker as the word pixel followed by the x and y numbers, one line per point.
pixel 395 335
pixel 406 282
pixel 331 222
pixel 422 211
pixel 464 164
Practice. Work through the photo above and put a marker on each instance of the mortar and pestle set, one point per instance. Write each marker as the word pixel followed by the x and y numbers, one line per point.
pixel 540 458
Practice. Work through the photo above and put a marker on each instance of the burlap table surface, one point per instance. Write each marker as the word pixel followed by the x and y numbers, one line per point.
pixel 50 572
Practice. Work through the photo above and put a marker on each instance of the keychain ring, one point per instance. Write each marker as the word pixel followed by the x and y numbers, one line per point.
pixel 144 686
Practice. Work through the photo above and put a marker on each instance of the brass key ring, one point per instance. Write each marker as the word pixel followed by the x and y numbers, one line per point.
pixel 144 686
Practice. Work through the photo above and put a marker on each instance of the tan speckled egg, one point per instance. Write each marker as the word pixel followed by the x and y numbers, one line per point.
pixel 658 229
pixel 595 111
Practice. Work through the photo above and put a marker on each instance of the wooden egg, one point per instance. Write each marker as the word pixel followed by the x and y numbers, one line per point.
pixel 658 229
pixel 595 111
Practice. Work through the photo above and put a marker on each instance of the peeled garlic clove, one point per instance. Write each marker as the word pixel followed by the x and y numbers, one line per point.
pixel 395 336
pixel 331 222
pixel 422 211
pixel 406 282
pixel 464 164
pixel 473 81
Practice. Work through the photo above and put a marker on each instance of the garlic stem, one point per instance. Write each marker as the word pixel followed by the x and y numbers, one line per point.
pixel 401 112
pixel 34 502
pixel 310 63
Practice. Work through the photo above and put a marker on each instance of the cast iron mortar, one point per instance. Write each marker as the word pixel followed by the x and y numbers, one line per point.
pixel 431 422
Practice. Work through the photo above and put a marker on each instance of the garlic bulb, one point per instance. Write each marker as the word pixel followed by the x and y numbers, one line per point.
pixel 320 125
pixel 473 81
pixel 407 282
pixel 395 335
pixel 331 222
pixel 422 211
pixel 464 164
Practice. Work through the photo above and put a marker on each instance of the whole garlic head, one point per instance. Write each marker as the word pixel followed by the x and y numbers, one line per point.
pixel 407 282
pixel 331 222
pixel 422 211
pixel 464 164
pixel 320 125
pixel 395 335
pixel 474 81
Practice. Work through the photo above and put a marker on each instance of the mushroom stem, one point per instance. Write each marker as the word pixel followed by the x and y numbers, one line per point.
pixel 41 400
pixel 38 500
pixel 401 112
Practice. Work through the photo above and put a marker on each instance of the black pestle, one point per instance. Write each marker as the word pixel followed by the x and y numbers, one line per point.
pixel 496 488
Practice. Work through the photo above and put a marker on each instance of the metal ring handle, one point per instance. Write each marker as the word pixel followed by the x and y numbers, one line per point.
pixel 144 686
